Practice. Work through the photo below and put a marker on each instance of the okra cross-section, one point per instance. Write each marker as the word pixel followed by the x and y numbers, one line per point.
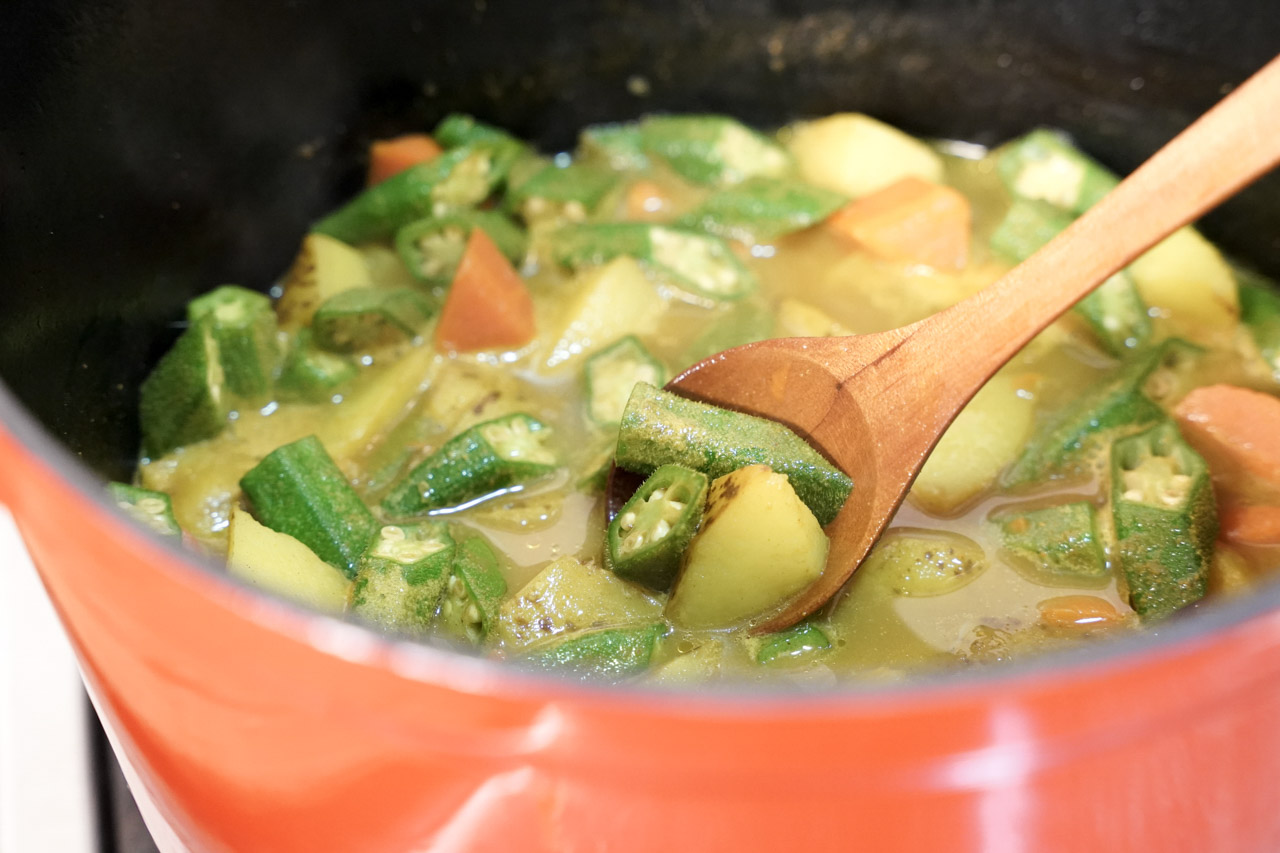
pixel 298 489
pixel 660 428
pixel 1058 544
pixel 613 372
pixel 431 248
pixel 402 577
pixel 487 457
pixel 473 593
pixel 243 325
pixel 1165 519
pixel 1044 165
pixel 649 534
pixel 154 509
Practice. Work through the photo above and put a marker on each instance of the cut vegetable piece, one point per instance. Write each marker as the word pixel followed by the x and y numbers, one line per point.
pixel 1174 373
pixel 648 536
pixel 243 326
pixel 388 157
pixel 743 322
pixel 324 268
pixel 610 655
pixel 182 401
pixel 923 563
pixel 1237 430
pixel 366 318
pixel 619 146
pixel 697 666
pixel 759 210
pixel 1026 227
pixel 150 508
pixel 569 596
pixel 312 375
pixel 488 306
pixel 1058 545
pixel 458 129
pixel 476 586
pixel 1045 166
pixel 611 374
pixel 986 436
pixel 279 563
pixel 797 319
pixel 1186 278
pixel 1260 311
pixel 1079 612
pixel 798 642
pixel 297 489
pixel 758 546
pixel 1165 519
pixel 464 394
pixel 433 247
pixel 602 305
pixel 460 177
pixel 567 192
pixel 712 149
pixel 660 428
pixel 910 220
pixel 373 408
pixel 485 458
pixel 856 155
pixel 1251 525
pixel 1116 313
pixel 402 577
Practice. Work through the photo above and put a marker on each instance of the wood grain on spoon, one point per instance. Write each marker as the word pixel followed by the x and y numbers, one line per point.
pixel 877 404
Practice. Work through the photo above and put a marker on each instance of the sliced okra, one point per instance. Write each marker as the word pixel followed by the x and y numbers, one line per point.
pixel 570 193
pixel 1260 312
pixel 310 374
pixel 798 641
pixel 761 209
pixel 660 428
pixel 298 489
pixel 182 400
pixel 365 318
pixel 609 655
pixel 712 149
pixel 1058 544
pixel 432 248
pixel 618 146
pixel 745 322
pixel 917 563
pixel 154 509
pixel 243 325
pixel 517 162
pixel 1026 227
pixel 699 263
pixel 403 575
pixel 473 593
pixel 458 178
pixel 612 373
pixel 483 459
pixel 1174 373
pixel 649 534
pixel 1165 519
pixel 1045 166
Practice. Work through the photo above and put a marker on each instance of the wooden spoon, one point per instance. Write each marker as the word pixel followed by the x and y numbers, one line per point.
pixel 876 404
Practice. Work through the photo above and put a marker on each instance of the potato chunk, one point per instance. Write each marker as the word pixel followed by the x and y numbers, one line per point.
pixel 281 564
pixel 758 546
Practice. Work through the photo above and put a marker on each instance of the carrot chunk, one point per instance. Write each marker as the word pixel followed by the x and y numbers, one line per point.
pixel 1237 431
pixel 1251 525
pixel 388 157
pixel 911 220
pixel 1078 611
pixel 488 305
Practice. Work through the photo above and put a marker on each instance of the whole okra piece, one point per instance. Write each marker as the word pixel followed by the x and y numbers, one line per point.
pixel 1165 519
pixel 153 509
pixel 483 459
pixel 431 248
pixel 242 324
pixel 609 655
pixel 660 428
pixel 298 489
pixel 648 536
pixel 365 318
pixel 762 209
pixel 473 594
pixel 1059 544
pixel 712 149
pixel 403 575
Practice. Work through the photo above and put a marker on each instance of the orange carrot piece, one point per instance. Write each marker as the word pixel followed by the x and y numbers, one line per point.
pixel 389 157
pixel 1250 524
pixel 488 305
pixel 645 200
pixel 1237 431
pixel 909 220
pixel 1078 611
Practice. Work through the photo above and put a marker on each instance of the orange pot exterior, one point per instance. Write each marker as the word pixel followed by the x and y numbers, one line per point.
pixel 260 728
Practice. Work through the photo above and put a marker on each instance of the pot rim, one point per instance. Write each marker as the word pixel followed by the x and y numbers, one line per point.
pixel 432 663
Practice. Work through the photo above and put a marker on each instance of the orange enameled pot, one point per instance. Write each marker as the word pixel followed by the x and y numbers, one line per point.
pixel 148 153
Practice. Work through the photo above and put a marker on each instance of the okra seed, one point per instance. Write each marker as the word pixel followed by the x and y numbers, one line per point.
pixel 657 495
pixel 627 521
pixel 661 528
pixel 473 614
pixel 391 533
pixel 676 506
pixel 575 212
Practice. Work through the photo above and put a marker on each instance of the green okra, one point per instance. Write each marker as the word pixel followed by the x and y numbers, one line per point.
pixel 573 191
pixel 1173 373
pixel 459 178
pixel 474 591
pixel 243 325
pixel 745 322
pixel 312 375
pixel 402 577
pixel 518 161
pixel 611 374
pixel 1045 166
pixel 660 428
pixel 699 263
pixel 760 209
pixel 182 401
pixel 796 642
pixel 1026 227
pixel 153 509
pixel 365 318
pixel 618 146
pixel 298 489
pixel 1057 544
pixel 648 536
pixel 1260 312
pixel 712 149
pixel 432 248
pixel 613 654
pixel 1165 519
pixel 487 457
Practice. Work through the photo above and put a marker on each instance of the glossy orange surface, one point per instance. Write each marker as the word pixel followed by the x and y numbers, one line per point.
pixel 261 728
